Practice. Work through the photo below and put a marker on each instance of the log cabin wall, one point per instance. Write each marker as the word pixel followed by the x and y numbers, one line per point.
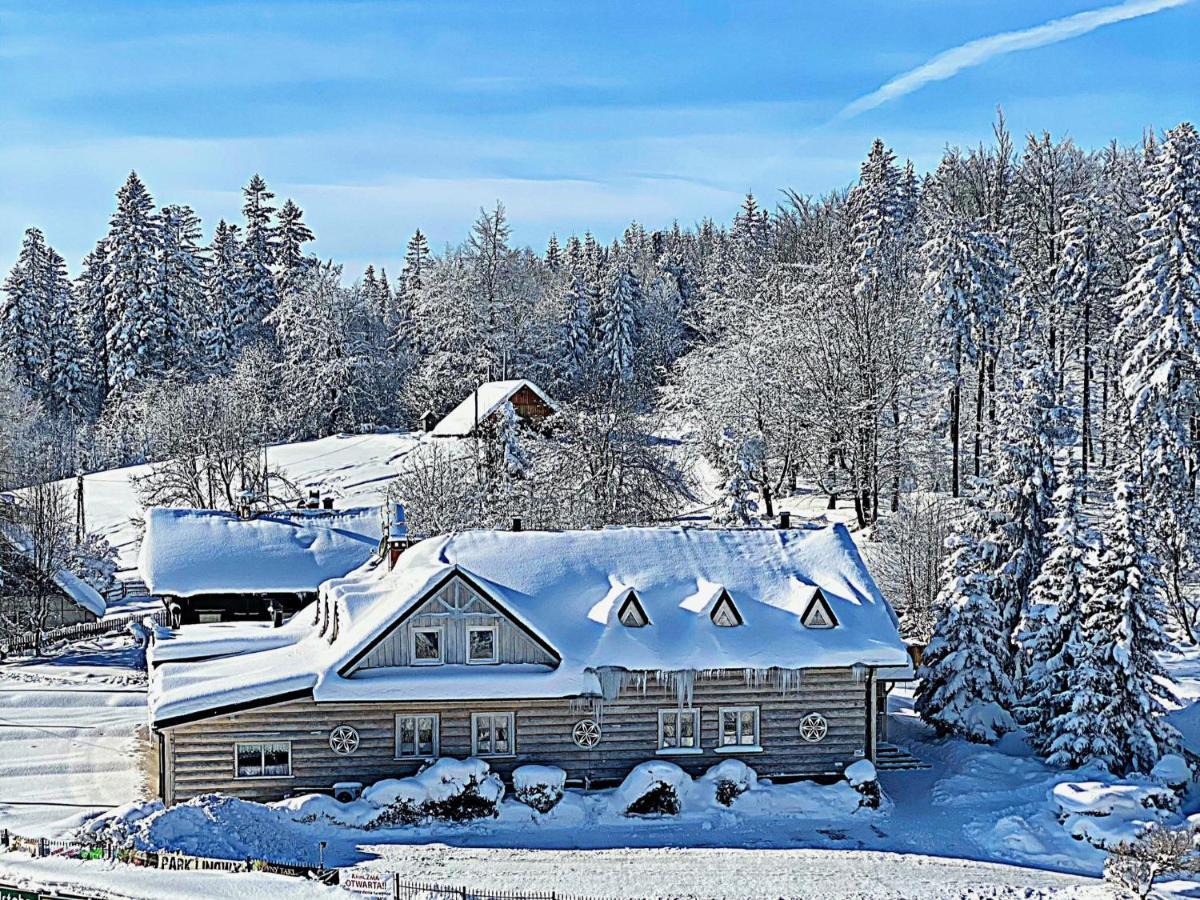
pixel 198 756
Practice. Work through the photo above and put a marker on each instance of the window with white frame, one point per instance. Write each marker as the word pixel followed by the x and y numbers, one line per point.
pixel 416 736
pixel 739 726
pixel 481 644
pixel 427 646
pixel 492 734
pixel 679 729
pixel 262 759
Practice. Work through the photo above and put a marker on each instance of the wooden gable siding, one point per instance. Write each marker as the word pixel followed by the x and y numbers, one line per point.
pixel 528 405
pixel 199 755
pixel 455 608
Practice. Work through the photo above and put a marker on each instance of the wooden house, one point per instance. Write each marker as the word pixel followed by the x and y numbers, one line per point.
pixel 217 566
pixel 589 650
pixel 479 410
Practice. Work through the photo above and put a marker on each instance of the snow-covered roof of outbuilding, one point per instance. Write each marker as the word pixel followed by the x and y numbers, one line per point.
pixel 566 589
pixel 187 552
pixel 460 421
pixel 75 588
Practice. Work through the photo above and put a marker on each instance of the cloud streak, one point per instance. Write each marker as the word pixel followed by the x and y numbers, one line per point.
pixel 950 62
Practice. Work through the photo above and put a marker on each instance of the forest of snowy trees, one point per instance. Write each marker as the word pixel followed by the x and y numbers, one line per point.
pixel 994 365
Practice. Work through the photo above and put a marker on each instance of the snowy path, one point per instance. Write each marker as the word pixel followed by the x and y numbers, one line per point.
pixel 749 874
pixel 68 739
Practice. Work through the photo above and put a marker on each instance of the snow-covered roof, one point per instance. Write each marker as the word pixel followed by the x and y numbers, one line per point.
pixel 565 589
pixel 460 421
pixel 186 552
pixel 75 588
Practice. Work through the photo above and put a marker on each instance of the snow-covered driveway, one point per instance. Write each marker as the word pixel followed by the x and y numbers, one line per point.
pixel 68 742
pixel 749 874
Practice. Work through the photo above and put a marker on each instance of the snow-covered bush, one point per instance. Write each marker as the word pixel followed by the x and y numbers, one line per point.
pixel 652 789
pixel 1173 771
pixel 116 826
pixel 730 779
pixel 539 787
pixel 1135 865
pixel 865 780
pixel 450 789
pixel 1106 815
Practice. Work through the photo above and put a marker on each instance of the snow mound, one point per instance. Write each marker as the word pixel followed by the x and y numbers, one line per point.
pixel 861 772
pixel 444 780
pixel 1105 815
pixel 730 779
pixel 539 787
pixel 1172 770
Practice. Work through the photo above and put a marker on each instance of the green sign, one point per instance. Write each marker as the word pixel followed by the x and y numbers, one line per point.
pixel 8 893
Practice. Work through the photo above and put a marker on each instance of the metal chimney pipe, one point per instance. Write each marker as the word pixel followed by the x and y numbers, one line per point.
pixel 785 519
pixel 516 523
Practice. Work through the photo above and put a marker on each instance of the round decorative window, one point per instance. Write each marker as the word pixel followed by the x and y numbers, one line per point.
pixel 343 740
pixel 813 728
pixel 586 733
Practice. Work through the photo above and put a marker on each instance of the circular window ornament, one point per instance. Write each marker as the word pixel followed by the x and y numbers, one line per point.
pixel 343 740
pixel 813 728
pixel 586 733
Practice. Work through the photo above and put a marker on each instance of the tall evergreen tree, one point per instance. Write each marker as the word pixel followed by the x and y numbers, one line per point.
pixel 416 263
pixel 25 313
pixel 181 281
pixel 137 326
pixel 258 250
pixel 227 308
pixel 292 233
pixel 617 327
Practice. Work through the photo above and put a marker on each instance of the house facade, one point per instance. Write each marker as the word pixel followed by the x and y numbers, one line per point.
pixel 592 651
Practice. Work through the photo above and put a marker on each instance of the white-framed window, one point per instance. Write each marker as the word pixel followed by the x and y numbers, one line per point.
pixel 262 759
pixel 679 730
pixel 417 735
pixel 738 726
pixel 481 644
pixel 427 646
pixel 492 734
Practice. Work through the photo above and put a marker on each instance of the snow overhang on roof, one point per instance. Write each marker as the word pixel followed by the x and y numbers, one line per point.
pixel 189 552
pixel 563 587
pixel 460 421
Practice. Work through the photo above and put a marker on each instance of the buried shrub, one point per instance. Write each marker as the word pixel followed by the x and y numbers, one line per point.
pixel 864 779
pixel 450 789
pixel 539 787
pixel 730 779
pixel 652 789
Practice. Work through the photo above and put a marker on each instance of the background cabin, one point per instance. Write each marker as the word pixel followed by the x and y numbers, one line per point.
pixel 483 405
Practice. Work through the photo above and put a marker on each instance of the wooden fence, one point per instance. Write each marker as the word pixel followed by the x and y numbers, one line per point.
pixel 359 881
pixel 82 630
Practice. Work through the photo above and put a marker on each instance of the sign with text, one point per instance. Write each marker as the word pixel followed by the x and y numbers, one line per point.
pixel 369 883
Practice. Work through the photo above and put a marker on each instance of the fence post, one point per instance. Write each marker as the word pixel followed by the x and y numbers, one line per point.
pixel 395 886
pixel 42 850
pixel 7 843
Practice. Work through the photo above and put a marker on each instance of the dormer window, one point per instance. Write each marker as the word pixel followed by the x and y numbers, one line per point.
pixel 725 614
pixel 819 614
pixel 631 614
pixel 427 646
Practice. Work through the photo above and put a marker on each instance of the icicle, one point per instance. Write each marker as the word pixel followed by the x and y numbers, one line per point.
pixel 682 681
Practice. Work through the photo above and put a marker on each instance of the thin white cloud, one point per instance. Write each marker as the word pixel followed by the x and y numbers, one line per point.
pixel 973 53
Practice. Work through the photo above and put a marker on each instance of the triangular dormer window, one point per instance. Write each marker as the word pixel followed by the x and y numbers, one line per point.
pixel 725 614
pixel 818 614
pixel 631 614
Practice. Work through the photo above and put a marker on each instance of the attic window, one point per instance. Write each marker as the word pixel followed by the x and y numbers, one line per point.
pixel 631 614
pixel 818 614
pixel 725 614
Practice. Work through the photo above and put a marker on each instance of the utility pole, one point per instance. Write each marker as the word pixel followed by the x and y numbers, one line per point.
pixel 80 523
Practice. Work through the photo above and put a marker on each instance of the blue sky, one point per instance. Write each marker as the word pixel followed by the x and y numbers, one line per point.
pixel 379 117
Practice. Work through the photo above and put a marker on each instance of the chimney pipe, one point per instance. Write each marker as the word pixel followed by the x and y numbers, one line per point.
pixel 785 519
pixel 516 523
pixel 314 499
pixel 327 503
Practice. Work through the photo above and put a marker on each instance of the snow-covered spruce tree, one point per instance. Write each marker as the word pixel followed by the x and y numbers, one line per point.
pixel 578 304
pixel 416 263
pixel 180 285
pixel 93 321
pixel 1120 684
pixel 617 327
pixel 25 314
pixel 137 326
pixel 741 460
pixel 964 686
pixel 291 234
pixel 1053 634
pixel 227 312
pixel 1029 421
pixel 967 273
pixel 258 249
pixel 1161 372
pixel 67 389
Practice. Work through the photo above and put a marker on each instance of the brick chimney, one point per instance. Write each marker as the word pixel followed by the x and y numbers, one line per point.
pixel 398 539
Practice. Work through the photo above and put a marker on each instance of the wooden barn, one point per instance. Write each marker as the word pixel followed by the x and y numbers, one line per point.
pixel 480 409
pixel 590 650
pixel 218 566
